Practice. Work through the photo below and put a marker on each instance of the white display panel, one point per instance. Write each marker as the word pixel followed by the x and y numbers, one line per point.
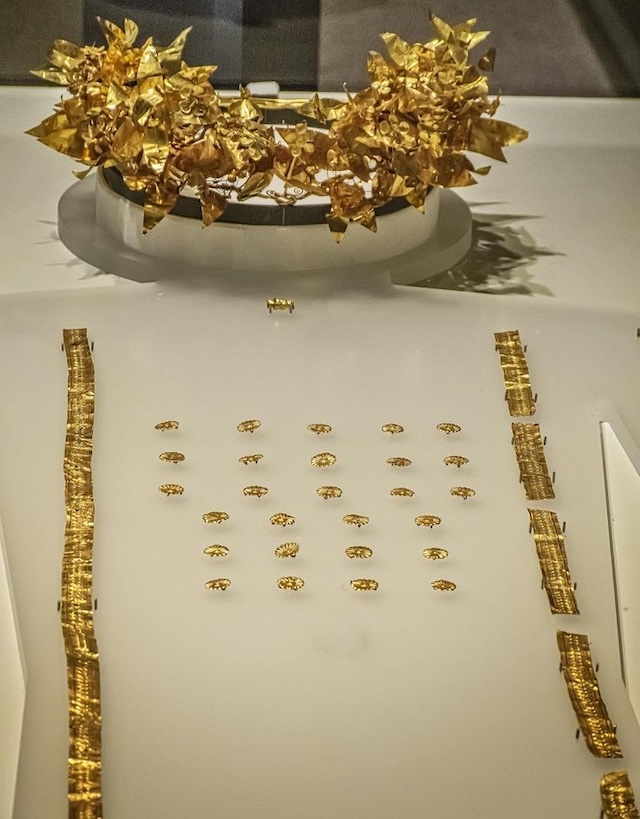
pixel 324 702
pixel 13 685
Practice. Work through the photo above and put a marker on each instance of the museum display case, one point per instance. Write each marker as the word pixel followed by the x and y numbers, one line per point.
pixel 339 537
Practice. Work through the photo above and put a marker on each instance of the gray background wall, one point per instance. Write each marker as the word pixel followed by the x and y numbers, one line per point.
pixel 565 47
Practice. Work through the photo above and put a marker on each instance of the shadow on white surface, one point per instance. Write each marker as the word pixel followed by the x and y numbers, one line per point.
pixel 500 260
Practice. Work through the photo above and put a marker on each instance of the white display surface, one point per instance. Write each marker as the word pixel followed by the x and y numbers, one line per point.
pixel 326 703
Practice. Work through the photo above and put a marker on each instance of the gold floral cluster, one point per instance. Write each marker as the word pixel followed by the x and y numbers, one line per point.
pixel 162 125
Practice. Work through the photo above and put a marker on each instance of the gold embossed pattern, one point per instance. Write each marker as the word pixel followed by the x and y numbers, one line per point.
pixel 515 371
pixel 443 585
pixel 534 473
pixel 285 550
pixel 83 670
pixel 218 584
pixel 584 692
pixel 554 565
pixel 359 552
pixel 617 796
pixel 428 520
pixel 217 550
pixel 290 583
pixel 356 520
pixel 328 492
pixel 364 584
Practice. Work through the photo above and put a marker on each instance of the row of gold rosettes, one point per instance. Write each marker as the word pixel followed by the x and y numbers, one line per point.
pixel 292 583
pixel 584 692
pixel 556 578
pixel 291 550
pixel 321 460
pixel 283 519
pixel 534 473
pixel 326 492
pixel 515 371
pixel 252 424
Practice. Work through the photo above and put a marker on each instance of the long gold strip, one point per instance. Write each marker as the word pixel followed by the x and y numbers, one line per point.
pixel 515 372
pixel 584 692
pixel 534 472
pixel 554 565
pixel 618 799
pixel 83 671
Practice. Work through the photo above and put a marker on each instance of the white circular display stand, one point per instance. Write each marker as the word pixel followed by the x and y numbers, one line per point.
pixel 104 229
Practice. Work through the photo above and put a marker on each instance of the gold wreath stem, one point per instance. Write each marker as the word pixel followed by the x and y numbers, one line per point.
pixel 83 671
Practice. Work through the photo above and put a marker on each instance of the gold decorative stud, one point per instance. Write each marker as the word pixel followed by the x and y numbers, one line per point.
pixel 319 429
pixel 172 457
pixel 251 459
pixel 167 425
pixel 218 584
pixel 399 461
pixel 456 460
pixel 327 492
pixel 255 491
pixel 394 429
pixel 434 553
pixel 171 489
pixel 217 550
pixel 290 583
pixel 215 517
pixel 282 519
pixel 402 492
pixel 280 304
pixel 428 520
pixel 249 426
pixel 443 585
pixel 356 520
pixel 287 550
pixel 361 552
pixel 364 584
pixel 323 459
pixel 463 492
pixel 448 427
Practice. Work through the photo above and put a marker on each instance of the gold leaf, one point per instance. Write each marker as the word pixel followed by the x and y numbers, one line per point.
pixel 256 183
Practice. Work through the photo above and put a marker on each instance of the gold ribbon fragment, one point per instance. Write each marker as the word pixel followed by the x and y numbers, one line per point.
pixel 515 372
pixel 76 611
pixel 554 565
pixel 584 692
pixel 534 473
pixel 618 798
